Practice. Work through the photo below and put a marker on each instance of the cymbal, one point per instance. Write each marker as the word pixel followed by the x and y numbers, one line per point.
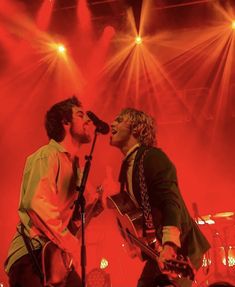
pixel 226 215
pixel 205 219
pixel 219 217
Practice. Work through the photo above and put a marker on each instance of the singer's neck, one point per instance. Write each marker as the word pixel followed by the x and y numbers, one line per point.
pixel 128 145
pixel 71 145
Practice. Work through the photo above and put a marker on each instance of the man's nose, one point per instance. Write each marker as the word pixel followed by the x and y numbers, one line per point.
pixel 86 119
pixel 112 125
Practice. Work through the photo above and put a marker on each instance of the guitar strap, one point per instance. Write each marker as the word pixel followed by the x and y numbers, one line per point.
pixel 30 249
pixel 149 229
pixel 147 212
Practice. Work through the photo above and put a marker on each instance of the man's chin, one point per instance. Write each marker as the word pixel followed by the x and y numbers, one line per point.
pixel 113 143
pixel 85 139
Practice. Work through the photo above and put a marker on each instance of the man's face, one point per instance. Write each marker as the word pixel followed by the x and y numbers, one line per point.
pixel 120 132
pixel 79 129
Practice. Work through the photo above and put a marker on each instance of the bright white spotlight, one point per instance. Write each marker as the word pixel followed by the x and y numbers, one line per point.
pixel 104 263
pixel 61 48
pixel 233 25
pixel 58 48
pixel 138 40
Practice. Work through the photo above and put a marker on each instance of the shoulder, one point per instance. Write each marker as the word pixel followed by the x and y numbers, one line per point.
pixel 155 159
pixel 46 153
pixel 154 153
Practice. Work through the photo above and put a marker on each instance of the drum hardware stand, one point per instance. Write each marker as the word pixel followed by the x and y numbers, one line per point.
pixel 226 255
pixel 216 275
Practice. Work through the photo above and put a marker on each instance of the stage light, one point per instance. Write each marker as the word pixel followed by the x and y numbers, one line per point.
pixel 56 50
pixel 231 257
pixel 98 278
pixel 233 25
pixel 44 14
pixel 104 263
pixel 61 48
pixel 138 40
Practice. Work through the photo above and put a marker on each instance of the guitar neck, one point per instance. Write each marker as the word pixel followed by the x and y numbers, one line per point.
pixel 145 248
pixel 180 268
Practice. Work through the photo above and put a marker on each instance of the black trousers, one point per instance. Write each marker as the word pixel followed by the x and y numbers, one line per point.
pixel 151 276
pixel 24 274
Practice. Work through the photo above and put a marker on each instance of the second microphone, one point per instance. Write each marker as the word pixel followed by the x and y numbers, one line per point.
pixel 101 126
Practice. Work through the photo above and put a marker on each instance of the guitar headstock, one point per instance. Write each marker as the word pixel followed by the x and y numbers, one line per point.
pixel 179 267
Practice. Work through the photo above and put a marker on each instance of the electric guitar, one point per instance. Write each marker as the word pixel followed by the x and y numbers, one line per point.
pixel 56 263
pixel 130 223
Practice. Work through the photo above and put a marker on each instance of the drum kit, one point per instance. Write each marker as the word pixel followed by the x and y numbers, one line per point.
pixel 219 263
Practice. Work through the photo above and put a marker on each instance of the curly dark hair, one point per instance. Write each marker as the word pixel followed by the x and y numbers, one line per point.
pixel 59 114
pixel 142 125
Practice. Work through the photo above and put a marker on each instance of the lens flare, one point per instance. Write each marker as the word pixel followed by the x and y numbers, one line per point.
pixel 104 263
pixel 233 25
pixel 138 40
pixel 61 48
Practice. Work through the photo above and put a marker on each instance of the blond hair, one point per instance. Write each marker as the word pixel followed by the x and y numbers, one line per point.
pixel 142 125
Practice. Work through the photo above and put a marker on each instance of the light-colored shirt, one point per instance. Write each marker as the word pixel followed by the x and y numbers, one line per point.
pixel 130 160
pixel 48 192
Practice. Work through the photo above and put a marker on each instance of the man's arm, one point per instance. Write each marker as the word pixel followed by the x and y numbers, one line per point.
pixel 164 195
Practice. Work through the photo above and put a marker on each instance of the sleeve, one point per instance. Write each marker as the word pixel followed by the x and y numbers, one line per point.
pixel 171 234
pixel 163 188
pixel 42 203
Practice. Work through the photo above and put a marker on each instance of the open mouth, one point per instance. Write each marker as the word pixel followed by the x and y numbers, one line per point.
pixel 113 132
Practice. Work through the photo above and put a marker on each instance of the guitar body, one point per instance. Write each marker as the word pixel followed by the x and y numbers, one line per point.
pixel 56 264
pixel 130 223
pixel 129 220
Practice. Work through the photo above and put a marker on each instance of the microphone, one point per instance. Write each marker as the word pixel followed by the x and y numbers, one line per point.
pixel 101 126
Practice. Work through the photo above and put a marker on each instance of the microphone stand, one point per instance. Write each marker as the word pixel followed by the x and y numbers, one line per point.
pixel 82 203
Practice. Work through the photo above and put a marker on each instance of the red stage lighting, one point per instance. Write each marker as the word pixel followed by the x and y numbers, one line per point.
pixel 98 278
pixel 109 32
pixel 233 25
pixel 138 40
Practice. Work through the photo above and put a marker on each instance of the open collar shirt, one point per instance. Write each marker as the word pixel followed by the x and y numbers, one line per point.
pixel 48 192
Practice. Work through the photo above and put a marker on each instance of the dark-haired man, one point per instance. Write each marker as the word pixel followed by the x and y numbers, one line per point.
pixel 48 192
pixel 149 178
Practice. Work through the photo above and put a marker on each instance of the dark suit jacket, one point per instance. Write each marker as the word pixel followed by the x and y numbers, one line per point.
pixel 167 204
